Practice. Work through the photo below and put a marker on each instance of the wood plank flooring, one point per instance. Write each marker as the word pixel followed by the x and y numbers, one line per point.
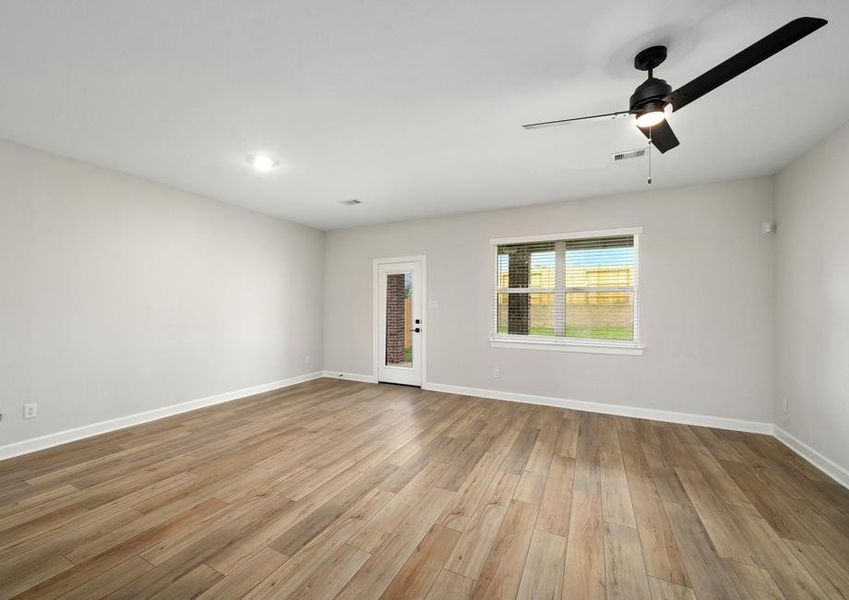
pixel 341 489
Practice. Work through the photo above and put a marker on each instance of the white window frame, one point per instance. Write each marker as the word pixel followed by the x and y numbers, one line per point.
pixel 536 342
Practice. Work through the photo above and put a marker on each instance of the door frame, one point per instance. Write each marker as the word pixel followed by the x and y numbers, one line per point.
pixel 375 324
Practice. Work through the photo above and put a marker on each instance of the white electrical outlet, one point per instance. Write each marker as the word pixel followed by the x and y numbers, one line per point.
pixel 30 411
pixel 786 405
pixel 307 359
pixel 495 373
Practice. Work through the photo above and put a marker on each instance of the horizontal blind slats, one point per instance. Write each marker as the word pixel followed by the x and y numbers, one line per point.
pixel 574 288
pixel 621 241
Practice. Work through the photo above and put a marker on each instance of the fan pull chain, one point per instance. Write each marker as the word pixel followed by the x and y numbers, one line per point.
pixel 648 179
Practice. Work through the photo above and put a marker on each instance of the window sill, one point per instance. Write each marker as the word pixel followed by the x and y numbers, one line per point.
pixel 588 346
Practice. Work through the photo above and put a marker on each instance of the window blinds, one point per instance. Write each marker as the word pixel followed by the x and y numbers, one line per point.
pixel 582 289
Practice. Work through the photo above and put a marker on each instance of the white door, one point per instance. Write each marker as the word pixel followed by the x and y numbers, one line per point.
pixel 399 322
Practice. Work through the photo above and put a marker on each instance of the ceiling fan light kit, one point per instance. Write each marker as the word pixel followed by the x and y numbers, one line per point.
pixel 650 115
pixel 654 98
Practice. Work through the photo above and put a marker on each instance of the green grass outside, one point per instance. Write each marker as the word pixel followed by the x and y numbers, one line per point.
pixel 591 333
pixel 408 354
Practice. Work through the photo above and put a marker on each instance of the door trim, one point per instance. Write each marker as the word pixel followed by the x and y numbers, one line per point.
pixel 375 322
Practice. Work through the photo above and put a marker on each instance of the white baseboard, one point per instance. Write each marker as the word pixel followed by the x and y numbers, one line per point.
pixel 78 433
pixel 351 376
pixel 826 465
pixel 610 409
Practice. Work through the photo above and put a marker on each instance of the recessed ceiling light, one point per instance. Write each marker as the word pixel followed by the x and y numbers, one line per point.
pixel 262 162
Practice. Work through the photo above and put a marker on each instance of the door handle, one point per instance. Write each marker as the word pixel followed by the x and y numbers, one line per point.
pixel 417 330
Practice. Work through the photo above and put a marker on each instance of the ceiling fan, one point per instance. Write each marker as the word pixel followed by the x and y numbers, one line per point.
pixel 651 98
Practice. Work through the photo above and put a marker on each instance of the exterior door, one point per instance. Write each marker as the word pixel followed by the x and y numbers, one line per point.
pixel 399 323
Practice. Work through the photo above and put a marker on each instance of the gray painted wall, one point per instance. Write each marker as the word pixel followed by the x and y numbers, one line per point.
pixel 812 311
pixel 706 291
pixel 119 296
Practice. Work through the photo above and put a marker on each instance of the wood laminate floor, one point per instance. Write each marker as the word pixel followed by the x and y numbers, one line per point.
pixel 340 489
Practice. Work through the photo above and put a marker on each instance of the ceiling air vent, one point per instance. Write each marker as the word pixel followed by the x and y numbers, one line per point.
pixel 629 154
pixel 351 202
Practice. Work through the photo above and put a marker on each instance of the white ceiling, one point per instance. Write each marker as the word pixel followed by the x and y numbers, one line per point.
pixel 413 107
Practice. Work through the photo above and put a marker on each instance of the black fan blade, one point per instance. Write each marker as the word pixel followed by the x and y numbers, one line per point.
pixel 661 135
pixel 604 117
pixel 741 62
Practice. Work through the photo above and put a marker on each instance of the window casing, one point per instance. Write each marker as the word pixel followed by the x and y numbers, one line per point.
pixel 577 292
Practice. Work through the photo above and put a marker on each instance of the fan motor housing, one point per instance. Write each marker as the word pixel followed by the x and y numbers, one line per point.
pixel 651 90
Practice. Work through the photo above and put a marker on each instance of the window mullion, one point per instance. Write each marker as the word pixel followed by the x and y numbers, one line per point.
pixel 601 288
pixel 560 289
pixel 527 290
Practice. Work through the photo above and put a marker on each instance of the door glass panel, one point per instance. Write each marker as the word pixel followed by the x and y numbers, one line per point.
pixel 399 320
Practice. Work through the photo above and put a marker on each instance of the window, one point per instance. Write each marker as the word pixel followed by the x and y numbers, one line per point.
pixel 568 292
